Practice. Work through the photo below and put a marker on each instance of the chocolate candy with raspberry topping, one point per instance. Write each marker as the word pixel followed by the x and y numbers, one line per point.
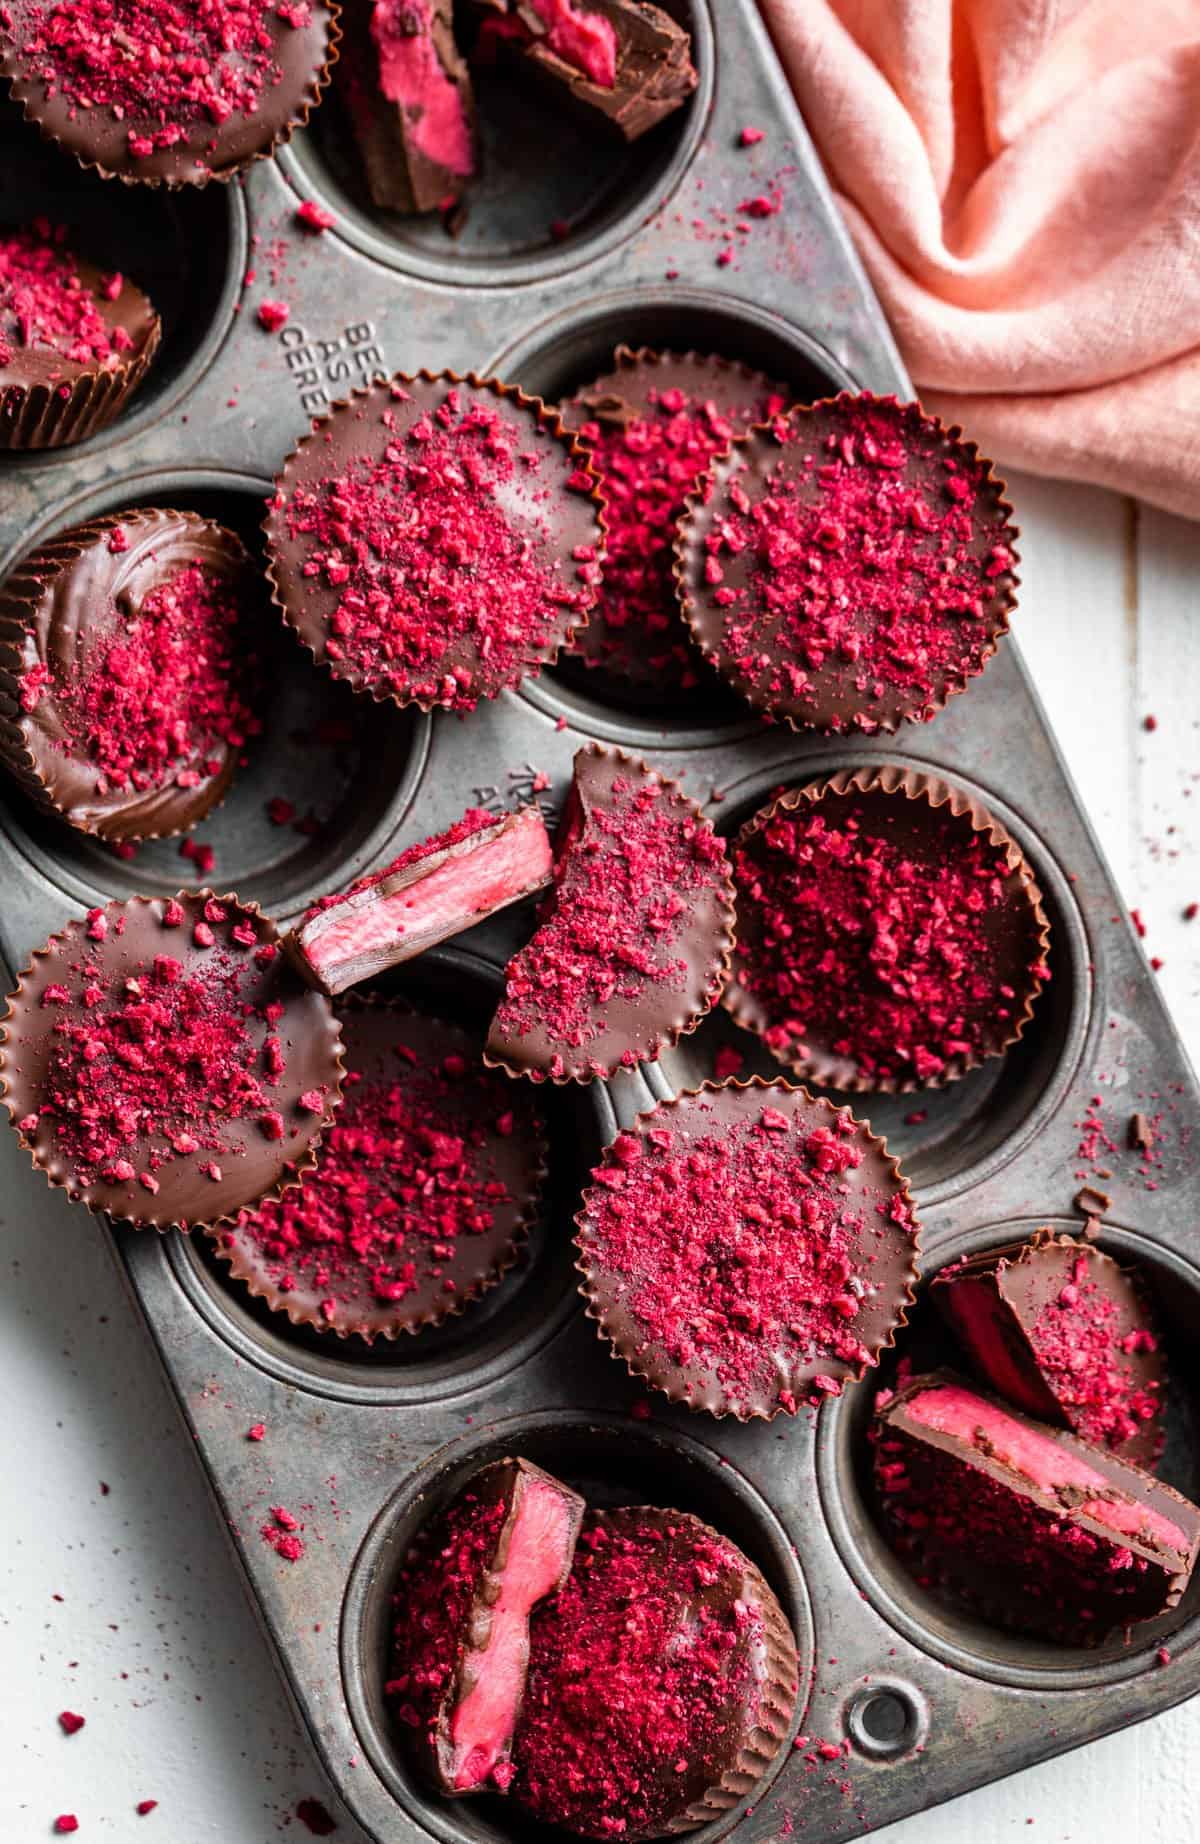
pixel 432 891
pixel 128 672
pixel 746 1248
pixel 662 1681
pixel 423 1193
pixel 890 932
pixel 75 340
pixel 162 1060
pixel 436 539
pixel 176 93
pixel 1026 1524
pixel 408 94
pixel 463 1602
pixel 1063 1332
pixel 849 565
pixel 634 946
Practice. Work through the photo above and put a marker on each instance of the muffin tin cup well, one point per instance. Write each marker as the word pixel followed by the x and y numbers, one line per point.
pixel 964 1643
pixel 916 1709
pixel 611 1461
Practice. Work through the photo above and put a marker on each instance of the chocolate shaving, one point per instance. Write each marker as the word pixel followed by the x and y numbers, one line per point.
pixel 1141 1133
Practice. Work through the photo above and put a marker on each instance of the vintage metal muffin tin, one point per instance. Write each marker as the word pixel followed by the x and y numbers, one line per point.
pixel 358 1445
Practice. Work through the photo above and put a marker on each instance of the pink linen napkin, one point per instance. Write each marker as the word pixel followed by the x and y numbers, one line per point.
pixel 1022 179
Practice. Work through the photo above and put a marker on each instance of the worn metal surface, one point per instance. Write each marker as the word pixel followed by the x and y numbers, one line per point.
pixel 931 1704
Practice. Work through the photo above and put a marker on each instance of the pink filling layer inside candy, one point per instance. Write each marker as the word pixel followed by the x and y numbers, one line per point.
pixel 586 40
pixel 538 1554
pixel 411 75
pixel 1040 1459
pixel 444 902
pixel 971 1303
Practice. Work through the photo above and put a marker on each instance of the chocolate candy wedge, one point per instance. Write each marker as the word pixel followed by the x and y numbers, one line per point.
pixel 408 94
pixel 463 1601
pixel 662 1681
pixel 1065 1333
pixel 1027 1525
pixel 432 891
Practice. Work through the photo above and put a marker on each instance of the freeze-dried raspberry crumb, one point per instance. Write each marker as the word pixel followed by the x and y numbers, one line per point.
pixel 272 315
pixel 314 217
pixel 145 1805
pixel 280 812
pixel 856 568
pixel 65 1822
pixel 280 1534
pixel 165 690
pixel 866 937
pixel 256 1432
pixel 169 66
pixel 45 302
pixel 649 464
pixel 727 1062
pixel 750 137
pixel 442 551
pixel 69 1722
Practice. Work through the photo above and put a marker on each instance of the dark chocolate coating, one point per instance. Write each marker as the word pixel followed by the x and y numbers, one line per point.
pixel 502 1481
pixel 1015 1284
pixel 356 429
pixel 832 701
pixel 252 1166
pixel 55 606
pixel 922 815
pixel 654 74
pixel 208 150
pixel 400 175
pixel 372 1032
pixel 744 1731
pixel 712 1111
pixel 48 401
pixel 662 1012
pixel 1000 1589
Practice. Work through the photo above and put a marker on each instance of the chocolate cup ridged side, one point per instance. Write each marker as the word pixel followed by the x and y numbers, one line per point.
pixel 20 594
pixel 890 779
pixel 290 1174
pixel 543 414
pixel 37 417
pixel 689 534
pixel 451 1305
pixel 29 93
pixel 628 361
pixel 677 1391
pixel 715 985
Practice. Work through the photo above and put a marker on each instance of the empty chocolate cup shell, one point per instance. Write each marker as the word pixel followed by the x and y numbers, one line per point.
pixel 398 1226
pixel 707 1613
pixel 748 1247
pixel 60 610
pixel 636 629
pixel 848 566
pixel 417 578
pixel 928 1039
pixel 635 938
pixel 47 399
pixel 117 141
pixel 163 1062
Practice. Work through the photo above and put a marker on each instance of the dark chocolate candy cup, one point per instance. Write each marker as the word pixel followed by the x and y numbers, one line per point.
pixel 622 394
pixel 824 1066
pixel 308 462
pixel 685 1011
pixel 841 711
pixel 99 144
pixel 367 1022
pixel 705 1393
pixel 82 399
pixel 46 613
pixel 259 1167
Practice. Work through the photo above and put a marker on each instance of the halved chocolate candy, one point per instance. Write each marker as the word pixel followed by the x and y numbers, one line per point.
pixel 622 63
pixel 461 1643
pixel 662 1680
pixel 434 890
pixel 1064 1333
pixel 408 94
pixel 1030 1526
pixel 635 947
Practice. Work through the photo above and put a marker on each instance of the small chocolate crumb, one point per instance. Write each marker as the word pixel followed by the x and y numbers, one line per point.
pixel 1091 1203
pixel 1141 1133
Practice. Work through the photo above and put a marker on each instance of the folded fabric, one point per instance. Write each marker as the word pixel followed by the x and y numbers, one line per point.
pixel 1022 179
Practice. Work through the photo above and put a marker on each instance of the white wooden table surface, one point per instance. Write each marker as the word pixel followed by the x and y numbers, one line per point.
pixel 152 1639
